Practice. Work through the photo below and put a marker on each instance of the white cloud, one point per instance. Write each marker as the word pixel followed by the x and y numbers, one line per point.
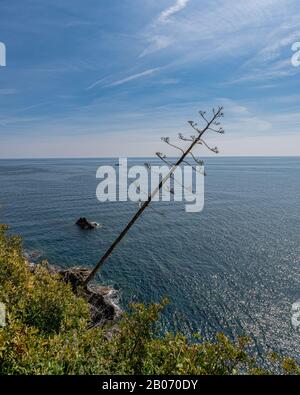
pixel 272 71
pixel 212 30
pixel 94 84
pixel 160 41
pixel 166 14
pixel 156 44
pixel 133 77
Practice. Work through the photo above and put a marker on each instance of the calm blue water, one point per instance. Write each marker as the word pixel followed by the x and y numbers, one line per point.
pixel 234 267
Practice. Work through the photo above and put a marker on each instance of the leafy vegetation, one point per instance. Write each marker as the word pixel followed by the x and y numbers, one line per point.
pixel 46 332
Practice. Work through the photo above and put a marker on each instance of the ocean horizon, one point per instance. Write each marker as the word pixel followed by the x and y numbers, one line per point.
pixel 145 157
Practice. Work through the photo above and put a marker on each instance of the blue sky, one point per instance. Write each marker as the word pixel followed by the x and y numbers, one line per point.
pixel 110 77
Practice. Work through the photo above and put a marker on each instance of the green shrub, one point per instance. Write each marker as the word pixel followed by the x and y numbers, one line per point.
pixel 46 333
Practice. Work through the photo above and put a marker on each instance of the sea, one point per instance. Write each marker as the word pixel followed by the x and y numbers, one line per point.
pixel 233 267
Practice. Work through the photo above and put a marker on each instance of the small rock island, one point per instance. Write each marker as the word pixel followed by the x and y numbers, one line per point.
pixel 86 224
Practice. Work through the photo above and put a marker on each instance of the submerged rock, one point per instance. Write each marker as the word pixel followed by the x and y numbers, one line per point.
pixel 32 256
pixel 85 224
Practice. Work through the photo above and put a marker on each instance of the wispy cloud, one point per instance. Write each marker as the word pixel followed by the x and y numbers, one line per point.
pixel 133 77
pixel 273 59
pixel 166 14
pixel 96 83
pixel 28 108
pixel 275 71
pixel 224 23
pixel 156 44
pixel 159 41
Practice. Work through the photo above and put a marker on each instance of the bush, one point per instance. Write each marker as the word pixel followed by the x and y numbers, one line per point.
pixel 46 333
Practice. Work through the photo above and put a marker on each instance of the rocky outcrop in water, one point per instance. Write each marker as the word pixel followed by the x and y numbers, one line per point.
pixel 86 224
